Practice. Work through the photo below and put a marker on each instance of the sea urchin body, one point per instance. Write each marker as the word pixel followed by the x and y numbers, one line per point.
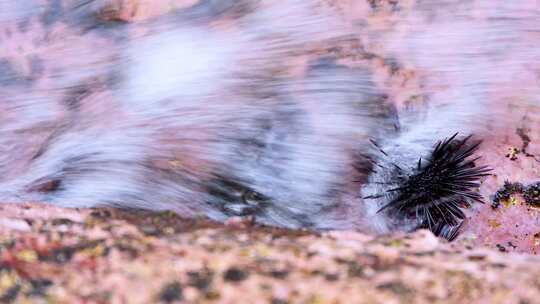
pixel 439 187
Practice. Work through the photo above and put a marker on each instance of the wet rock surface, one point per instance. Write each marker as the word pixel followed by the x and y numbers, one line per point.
pixel 53 255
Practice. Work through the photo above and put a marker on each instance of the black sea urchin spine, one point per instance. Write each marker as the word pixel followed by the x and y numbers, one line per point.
pixel 440 186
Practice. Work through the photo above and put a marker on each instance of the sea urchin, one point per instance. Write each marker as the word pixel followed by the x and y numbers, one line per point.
pixel 439 187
